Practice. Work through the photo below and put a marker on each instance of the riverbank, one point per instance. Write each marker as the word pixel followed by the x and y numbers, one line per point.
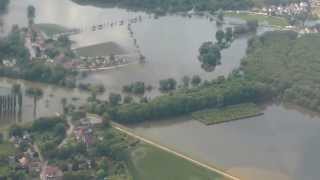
pixel 227 114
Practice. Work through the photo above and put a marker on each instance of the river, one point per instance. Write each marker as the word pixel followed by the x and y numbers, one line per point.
pixel 282 144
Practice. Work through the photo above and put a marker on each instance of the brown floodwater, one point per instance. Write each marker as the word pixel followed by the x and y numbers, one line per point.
pixel 281 144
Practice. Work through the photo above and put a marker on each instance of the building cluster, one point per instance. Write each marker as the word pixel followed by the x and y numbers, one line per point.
pixel 290 9
pixel 99 62
pixel 29 159
pixel 84 129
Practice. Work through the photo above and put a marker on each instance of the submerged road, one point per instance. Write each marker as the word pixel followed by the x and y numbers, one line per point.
pixel 132 134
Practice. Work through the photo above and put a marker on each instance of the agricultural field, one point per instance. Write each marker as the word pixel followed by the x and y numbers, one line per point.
pixel 270 20
pixel 226 114
pixel 51 29
pixel 148 162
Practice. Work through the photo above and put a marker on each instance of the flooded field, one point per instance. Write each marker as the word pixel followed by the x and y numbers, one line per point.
pixel 281 144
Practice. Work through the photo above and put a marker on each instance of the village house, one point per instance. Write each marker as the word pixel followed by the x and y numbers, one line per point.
pixel 51 173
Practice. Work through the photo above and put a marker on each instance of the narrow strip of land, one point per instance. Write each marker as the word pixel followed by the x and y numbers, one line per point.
pixel 214 169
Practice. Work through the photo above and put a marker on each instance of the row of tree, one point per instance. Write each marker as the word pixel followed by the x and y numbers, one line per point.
pixel 164 6
pixel 216 93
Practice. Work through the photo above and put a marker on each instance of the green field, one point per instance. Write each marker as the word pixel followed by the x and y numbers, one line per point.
pixel 6 149
pixel 104 49
pixel 51 29
pixel 151 163
pixel 226 114
pixel 271 20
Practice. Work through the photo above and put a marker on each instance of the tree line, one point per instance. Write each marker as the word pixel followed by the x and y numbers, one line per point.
pixel 231 91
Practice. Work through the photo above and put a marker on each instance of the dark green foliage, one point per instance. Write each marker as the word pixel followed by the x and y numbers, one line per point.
pixel 196 80
pixel 162 6
pixel 135 88
pixel 220 35
pixel 251 26
pixel 186 81
pixel 12 47
pixel 3 5
pixel 114 99
pixel 209 55
pixel 167 85
pixel 288 64
pixel 231 91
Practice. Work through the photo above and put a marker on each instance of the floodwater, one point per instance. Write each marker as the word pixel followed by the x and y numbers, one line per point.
pixel 170 43
pixel 48 105
pixel 281 144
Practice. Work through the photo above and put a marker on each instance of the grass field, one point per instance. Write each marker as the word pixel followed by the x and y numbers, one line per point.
pixel 6 149
pixel 230 113
pixel 104 49
pixel 51 29
pixel 150 163
pixel 274 21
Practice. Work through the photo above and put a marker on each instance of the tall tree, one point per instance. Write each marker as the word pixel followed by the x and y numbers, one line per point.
pixel 220 36
pixel 229 34
pixel 36 94
pixel 31 14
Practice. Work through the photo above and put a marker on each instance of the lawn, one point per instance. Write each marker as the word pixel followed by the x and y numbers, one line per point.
pixel 149 162
pixel 226 114
pixel 51 29
pixel 271 20
pixel 6 149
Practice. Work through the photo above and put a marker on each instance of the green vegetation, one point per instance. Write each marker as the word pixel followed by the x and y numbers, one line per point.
pixel 48 133
pixel 271 20
pixel 226 114
pixel 12 48
pixel 104 49
pixel 50 29
pixel 137 88
pixel 166 85
pixel 210 55
pixel 163 6
pixel 3 5
pixel 288 64
pixel 149 162
pixel 212 94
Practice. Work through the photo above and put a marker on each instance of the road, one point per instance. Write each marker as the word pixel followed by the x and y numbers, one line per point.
pixel 214 169
pixel 69 132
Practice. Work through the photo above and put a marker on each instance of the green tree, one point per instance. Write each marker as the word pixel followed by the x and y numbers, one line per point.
pixel 64 102
pixel 196 80
pixel 36 94
pixel 31 14
pixel 210 54
pixel 167 84
pixel 220 35
pixel 127 99
pixel 114 99
pixel 186 81
pixel 229 34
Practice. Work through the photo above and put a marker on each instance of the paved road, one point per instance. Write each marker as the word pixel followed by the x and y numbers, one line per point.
pixel 130 133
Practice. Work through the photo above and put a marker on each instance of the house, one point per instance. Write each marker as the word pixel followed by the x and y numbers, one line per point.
pixel 51 173
pixel 24 162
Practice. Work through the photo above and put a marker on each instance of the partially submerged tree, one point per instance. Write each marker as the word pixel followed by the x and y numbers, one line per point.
pixel 36 94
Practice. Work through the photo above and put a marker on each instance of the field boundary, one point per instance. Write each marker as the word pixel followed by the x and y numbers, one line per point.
pixel 129 132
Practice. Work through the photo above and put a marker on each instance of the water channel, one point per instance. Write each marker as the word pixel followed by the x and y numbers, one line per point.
pixel 282 144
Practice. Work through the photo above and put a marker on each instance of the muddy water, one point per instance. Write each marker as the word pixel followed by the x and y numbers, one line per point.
pixel 281 144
